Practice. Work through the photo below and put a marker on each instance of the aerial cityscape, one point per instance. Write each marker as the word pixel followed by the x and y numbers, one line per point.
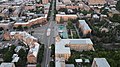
pixel 59 33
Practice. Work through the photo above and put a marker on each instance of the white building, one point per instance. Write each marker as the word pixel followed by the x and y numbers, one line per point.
pixel 100 62
pixel 63 46
pixel 61 51
pixel 7 65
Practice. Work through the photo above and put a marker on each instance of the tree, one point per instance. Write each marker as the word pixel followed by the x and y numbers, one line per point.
pixel 1 29
pixel 38 65
pixel 7 56
pixel 115 18
pixel 52 50
pixel 61 20
pixel 22 53
pixel 52 64
pixel 25 27
pixel 118 5
pixel 12 49
pixel 105 12
pixel 20 28
pixel 40 53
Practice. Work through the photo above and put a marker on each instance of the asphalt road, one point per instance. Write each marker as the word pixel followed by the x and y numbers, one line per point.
pixel 49 39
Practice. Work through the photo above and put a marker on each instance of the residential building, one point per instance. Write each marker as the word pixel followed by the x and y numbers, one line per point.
pixel 112 3
pixel 69 65
pixel 100 62
pixel 24 36
pixel 32 54
pixel 84 27
pixel 16 59
pixel 32 22
pixel 96 3
pixel 61 51
pixel 7 65
pixel 66 1
pixel 31 65
pixel 64 17
pixel 59 62
pixel 63 46
pixel 17 11
pixel 29 41
pixel 45 1
pixel 79 44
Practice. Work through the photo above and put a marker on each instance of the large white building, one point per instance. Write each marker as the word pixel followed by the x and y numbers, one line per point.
pixel 61 51
pixel 63 46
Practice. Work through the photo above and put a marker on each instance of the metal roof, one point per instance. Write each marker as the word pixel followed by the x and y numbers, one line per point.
pixel 7 65
pixel 101 62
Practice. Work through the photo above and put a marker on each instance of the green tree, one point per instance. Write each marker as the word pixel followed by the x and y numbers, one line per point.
pixel 22 53
pixel 38 65
pixel 61 20
pixel 105 12
pixel 118 5
pixel 20 28
pixel 52 64
pixel 52 50
pixel 40 53
pixel 7 56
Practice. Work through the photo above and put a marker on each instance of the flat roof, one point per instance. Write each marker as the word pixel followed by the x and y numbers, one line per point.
pixel 81 41
pixel 35 49
pixel 33 20
pixel 84 25
pixel 59 64
pixel 60 47
pixel 78 60
pixel 15 59
pixel 6 64
pixel 69 65
pixel 23 33
pixel 101 62
pixel 77 41
pixel 66 15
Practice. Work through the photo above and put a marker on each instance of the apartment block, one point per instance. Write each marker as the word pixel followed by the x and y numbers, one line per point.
pixel 96 3
pixel 100 62
pixel 84 27
pixel 45 1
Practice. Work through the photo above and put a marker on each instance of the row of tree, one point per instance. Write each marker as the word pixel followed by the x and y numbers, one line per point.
pixel 40 54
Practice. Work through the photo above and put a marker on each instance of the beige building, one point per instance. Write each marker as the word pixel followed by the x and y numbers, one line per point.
pixel 100 62
pixel 96 3
pixel 41 20
pixel 33 21
pixel 84 27
pixel 80 44
pixel 63 47
pixel 32 54
pixel 45 1
pixel 60 62
pixel 65 17
pixel 30 41
pixel 66 1
pixel 24 36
